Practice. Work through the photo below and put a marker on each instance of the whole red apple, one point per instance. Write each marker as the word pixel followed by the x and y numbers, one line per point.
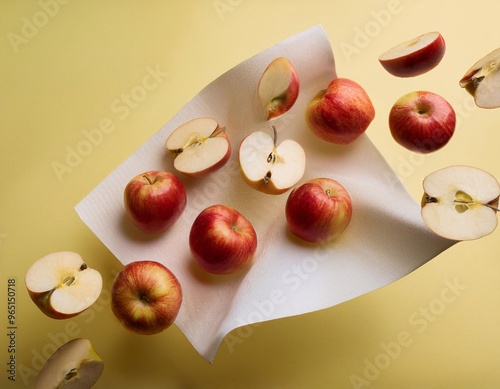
pixel 318 210
pixel 422 121
pixel 222 240
pixel 146 297
pixel 154 200
pixel 341 112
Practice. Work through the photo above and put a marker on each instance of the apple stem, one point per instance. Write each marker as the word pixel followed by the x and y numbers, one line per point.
pixel 218 132
pixel 496 209
pixel 271 158
pixel 145 176
pixel 429 199
pixel 69 280
pixel 73 372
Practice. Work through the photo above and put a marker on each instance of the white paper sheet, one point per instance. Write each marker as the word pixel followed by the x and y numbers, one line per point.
pixel 385 240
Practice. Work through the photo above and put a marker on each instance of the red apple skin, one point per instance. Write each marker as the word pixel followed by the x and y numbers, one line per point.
pixel 418 62
pixel 154 200
pixel 422 121
pixel 285 103
pixel 222 240
pixel 318 210
pixel 42 301
pixel 340 113
pixel 146 297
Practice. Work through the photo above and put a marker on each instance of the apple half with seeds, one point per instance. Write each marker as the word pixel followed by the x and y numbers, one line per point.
pixel 482 81
pixel 199 146
pixel 278 87
pixel 74 365
pixel 62 285
pixel 460 202
pixel 270 167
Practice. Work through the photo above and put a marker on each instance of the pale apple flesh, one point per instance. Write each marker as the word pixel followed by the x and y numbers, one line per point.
pixel 268 167
pixel 482 81
pixel 74 365
pixel 62 285
pixel 199 146
pixel 278 87
pixel 415 56
pixel 461 202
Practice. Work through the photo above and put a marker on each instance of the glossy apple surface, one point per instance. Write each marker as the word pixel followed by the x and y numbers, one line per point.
pixel 422 121
pixel 62 285
pixel 415 56
pixel 146 297
pixel 222 240
pixel 199 146
pixel 340 113
pixel 318 210
pixel 154 200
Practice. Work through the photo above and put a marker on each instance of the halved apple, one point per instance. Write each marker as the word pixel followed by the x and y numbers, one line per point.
pixel 460 202
pixel 62 285
pixel 482 81
pixel 416 56
pixel 199 146
pixel 268 167
pixel 278 87
pixel 74 365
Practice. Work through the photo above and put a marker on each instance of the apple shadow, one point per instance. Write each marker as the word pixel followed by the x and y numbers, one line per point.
pixel 295 240
pixel 132 232
pixel 204 277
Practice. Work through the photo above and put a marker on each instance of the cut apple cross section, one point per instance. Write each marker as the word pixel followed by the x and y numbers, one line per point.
pixel 278 87
pixel 199 146
pixel 482 81
pixel 270 167
pixel 62 285
pixel 460 202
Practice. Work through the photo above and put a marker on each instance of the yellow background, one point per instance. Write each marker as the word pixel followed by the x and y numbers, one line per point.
pixel 62 76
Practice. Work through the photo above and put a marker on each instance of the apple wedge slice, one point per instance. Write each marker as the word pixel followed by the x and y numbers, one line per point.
pixel 482 81
pixel 416 56
pixel 62 285
pixel 268 167
pixel 74 365
pixel 199 146
pixel 278 87
pixel 460 202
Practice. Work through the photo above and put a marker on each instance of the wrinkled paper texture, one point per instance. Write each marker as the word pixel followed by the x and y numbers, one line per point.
pixel 385 241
